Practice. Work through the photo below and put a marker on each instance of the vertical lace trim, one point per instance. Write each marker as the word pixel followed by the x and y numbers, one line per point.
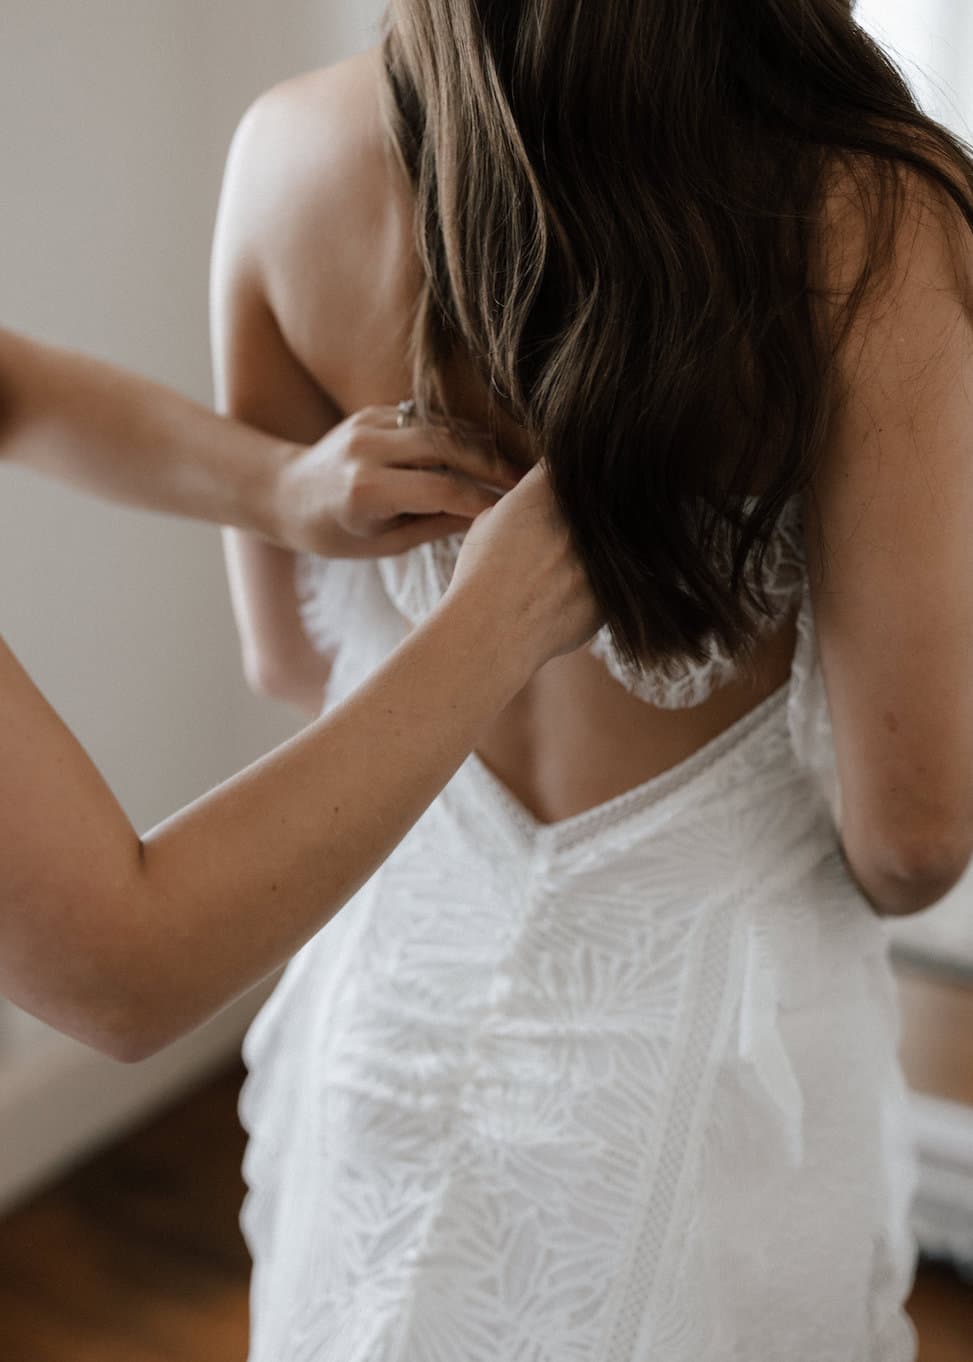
pixel 707 1011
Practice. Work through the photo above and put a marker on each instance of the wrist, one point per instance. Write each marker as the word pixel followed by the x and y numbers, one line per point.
pixel 269 505
pixel 502 640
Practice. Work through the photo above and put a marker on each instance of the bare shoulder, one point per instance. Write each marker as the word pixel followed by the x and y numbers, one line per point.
pixel 905 359
pixel 313 201
pixel 932 247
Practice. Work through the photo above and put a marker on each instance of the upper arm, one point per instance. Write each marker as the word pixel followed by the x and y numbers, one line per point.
pixel 68 868
pixel 259 380
pixel 892 590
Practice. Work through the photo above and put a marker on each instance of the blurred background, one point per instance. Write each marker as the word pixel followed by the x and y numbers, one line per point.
pixel 119 114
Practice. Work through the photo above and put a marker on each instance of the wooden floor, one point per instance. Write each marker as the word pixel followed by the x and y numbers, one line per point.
pixel 137 1256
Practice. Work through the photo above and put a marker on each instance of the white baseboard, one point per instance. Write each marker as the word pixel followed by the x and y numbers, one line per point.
pixel 60 1101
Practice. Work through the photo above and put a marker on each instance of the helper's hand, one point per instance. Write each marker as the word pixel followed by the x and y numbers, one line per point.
pixel 518 567
pixel 370 489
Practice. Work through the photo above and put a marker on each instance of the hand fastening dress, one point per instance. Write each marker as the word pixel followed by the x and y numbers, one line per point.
pixel 622 1088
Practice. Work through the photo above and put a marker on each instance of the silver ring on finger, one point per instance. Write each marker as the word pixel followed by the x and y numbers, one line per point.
pixel 407 414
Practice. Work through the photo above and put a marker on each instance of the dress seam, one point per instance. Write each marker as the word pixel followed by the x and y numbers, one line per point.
pixel 643 1282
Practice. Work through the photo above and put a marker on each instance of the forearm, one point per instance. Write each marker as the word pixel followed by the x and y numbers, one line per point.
pixel 345 793
pixel 122 437
pixel 128 944
pixel 279 659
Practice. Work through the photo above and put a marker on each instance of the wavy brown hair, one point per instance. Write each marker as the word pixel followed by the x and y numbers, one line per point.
pixel 618 210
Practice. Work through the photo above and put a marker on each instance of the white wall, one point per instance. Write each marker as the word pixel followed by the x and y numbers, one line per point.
pixel 932 40
pixel 117 115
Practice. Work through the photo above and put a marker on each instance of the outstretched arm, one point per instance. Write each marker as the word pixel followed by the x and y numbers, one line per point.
pixel 125 438
pixel 126 943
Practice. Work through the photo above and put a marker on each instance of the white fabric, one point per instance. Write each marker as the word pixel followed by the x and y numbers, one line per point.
pixel 416 580
pixel 619 1089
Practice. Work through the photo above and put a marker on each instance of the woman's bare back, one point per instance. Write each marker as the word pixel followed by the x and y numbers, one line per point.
pixel 346 284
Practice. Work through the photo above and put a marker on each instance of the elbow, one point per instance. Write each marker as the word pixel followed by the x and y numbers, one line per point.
pixel 126 1044
pixel 264 675
pixel 110 984
pixel 128 1048
pixel 273 677
pixel 127 1035
pixel 919 870
pixel 140 1040
pixel 124 1017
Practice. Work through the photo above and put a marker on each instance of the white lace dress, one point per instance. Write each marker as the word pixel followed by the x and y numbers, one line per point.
pixel 622 1088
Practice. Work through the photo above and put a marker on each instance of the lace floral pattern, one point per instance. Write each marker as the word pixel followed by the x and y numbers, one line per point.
pixel 578 1093
pixel 685 683
pixel 417 580
pixel 336 594
pixel 617 1088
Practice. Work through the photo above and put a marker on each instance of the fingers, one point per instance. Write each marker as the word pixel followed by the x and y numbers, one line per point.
pixel 476 456
pixel 436 493
pixel 431 445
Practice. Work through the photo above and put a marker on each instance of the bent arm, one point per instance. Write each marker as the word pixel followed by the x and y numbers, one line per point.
pixel 126 943
pixel 893 589
pixel 259 381
pixel 283 312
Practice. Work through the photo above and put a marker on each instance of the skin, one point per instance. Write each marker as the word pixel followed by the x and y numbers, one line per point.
pixel 314 282
pixel 126 942
pixel 365 489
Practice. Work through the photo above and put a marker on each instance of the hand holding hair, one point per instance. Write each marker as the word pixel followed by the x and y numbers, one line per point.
pixel 127 942
pixel 368 488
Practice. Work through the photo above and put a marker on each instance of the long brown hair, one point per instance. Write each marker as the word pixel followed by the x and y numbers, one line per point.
pixel 618 208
